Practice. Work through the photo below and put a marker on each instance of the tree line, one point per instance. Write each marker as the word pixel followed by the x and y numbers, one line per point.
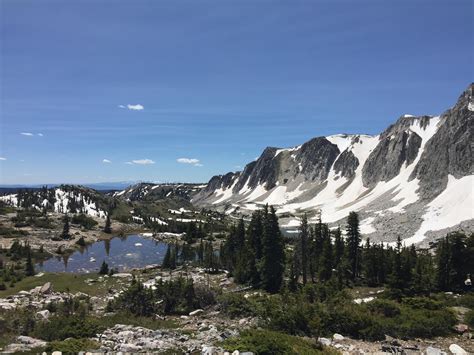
pixel 258 255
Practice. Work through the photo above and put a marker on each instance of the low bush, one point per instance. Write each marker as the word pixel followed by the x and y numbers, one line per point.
pixel 71 346
pixel 469 318
pixel 84 221
pixel 236 305
pixel 266 342
pixel 63 327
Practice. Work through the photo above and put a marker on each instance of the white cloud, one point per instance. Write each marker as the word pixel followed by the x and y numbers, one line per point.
pixel 136 107
pixel 27 134
pixel 2 158
pixel 141 162
pixel 106 161
pixel 198 164
pixel 188 161
pixel 40 134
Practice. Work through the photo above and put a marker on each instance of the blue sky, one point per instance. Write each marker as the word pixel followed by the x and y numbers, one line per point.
pixel 218 80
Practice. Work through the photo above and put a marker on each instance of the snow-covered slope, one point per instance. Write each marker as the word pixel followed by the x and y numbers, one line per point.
pixel 414 180
pixel 63 199
pixel 151 191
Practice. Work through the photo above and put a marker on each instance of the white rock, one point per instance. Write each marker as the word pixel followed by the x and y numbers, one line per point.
pixel 337 336
pixel 46 288
pixel 433 351
pixel 457 350
pixel 325 341
pixel 32 342
pixel 196 312
pixel 207 350
pixel 56 353
pixel 236 352
pixel 130 348
pixel 44 314
pixel 122 275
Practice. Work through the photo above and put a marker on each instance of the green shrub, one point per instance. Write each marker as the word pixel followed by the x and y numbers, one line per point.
pixel 266 342
pixel 385 308
pixel 236 305
pixel 84 221
pixel 291 315
pixel 422 303
pixel 169 297
pixel 354 320
pixel 70 346
pixel 469 318
pixel 63 327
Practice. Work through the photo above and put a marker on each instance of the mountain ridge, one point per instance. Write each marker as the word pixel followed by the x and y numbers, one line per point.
pixel 397 174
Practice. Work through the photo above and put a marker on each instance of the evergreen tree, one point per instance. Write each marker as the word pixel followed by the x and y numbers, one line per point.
pixel 294 271
pixel 191 232
pixel 326 262
pixel 108 225
pixel 396 276
pixel 104 268
pixel 338 247
pixel 29 268
pixel 443 265
pixel 255 233
pixel 166 264
pixel 370 263
pixel 65 233
pixel 273 253
pixel 353 243
pixel 304 236
pixel 315 248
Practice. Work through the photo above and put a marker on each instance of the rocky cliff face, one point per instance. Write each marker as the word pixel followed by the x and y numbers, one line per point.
pixel 413 173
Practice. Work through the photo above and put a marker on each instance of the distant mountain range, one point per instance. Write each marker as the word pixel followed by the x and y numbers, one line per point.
pixel 414 180
pixel 100 186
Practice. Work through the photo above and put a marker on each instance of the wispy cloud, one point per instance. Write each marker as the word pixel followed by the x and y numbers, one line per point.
pixel 106 161
pixel 136 107
pixel 28 134
pixel 40 134
pixel 2 158
pixel 187 160
pixel 192 161
pixel 141 162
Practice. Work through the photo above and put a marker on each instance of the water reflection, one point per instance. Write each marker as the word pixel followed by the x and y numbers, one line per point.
pixel 120 253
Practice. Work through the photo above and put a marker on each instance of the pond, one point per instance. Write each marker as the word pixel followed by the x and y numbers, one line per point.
pixel 121 253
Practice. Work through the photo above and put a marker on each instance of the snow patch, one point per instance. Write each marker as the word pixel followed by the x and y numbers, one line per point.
pixel 453 206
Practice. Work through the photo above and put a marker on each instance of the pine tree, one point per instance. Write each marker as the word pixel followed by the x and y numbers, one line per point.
pixel 294 272
pixel 353 243
pixel 273 253
pixel 338 247
pixel 326 262
pixel 166 264
pixel 255 233
pixel 29 268
pixel 396 276
pixel 104 268
pixel 316 247
pixel 370 263
pixel 443 265
pixel 65 233
pixel 304 236
pixel 108 225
